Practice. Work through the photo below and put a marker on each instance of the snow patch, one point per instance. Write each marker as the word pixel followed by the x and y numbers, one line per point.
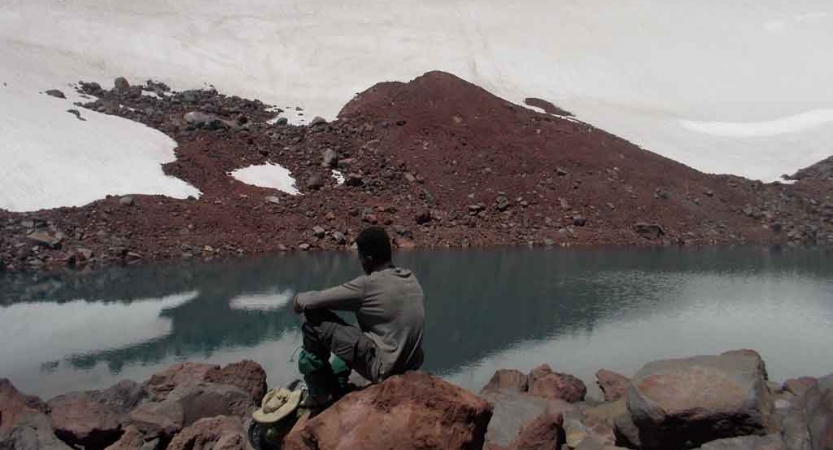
pixel 262 302
pixel 339 177
pixel 785 125
pixel 268 176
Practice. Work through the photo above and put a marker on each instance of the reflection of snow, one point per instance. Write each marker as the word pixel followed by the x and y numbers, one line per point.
pixel 262 302
pixel 338 176
pixel 784 125
pixel 37 333
pixel 268 176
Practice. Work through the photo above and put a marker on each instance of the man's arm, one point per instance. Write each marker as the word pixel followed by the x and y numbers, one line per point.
pixel 347 297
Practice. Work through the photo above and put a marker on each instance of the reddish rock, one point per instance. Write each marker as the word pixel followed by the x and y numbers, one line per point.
pixel 133 439
pixel 543 433
pixel 247 375
pixel 15 406
pixel 411 411
pixel 545 383
pixel 613 385
pixel 80 420
pixel 512 410
pixel 752 354
pixel 687 402
pixel 162 383
pixel 512 380
pixel 158 419
pixel 819 409
pixel 215 433
pixel 800 386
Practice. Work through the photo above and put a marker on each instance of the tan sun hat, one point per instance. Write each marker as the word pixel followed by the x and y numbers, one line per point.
pixel 277 404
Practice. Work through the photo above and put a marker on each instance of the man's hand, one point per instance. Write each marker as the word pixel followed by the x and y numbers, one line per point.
pixel 296 306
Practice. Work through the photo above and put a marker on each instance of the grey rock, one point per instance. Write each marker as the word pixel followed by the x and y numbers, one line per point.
pixel 354 180
pixel 319 232
pixel 329 158
pixel 45 238
pixel 339 237
pixel 282 121
pixel 304 247
pixel 33 432
pixel 579 221
pixel 819 408
pixel 317 121
pixel 649 231
pixel 512 410
pixel 699 399
pixel 272 199
pixel 77 114
pixel 127 200
pixel 121 84
pixel 55 93
pixel 315 182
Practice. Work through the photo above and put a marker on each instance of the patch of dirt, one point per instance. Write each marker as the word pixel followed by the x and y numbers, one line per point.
pixel 438 161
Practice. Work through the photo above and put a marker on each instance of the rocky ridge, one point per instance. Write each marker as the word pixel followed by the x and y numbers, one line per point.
pixel 438 161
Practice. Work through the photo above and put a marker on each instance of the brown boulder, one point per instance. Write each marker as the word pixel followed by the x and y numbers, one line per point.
pixel 613 385
pixel 158 419
pixel 800 386
pixel 202 400
pixel 16 406
pixel 247 375
pixel 545 383
pixel 410 411
pixel 686 402
pixel 752 354
pixel 769 442
pixel 543 433
pixel 215 433
pixel 80 420
pixel 162 383
pixel 512 380
pixel 511 411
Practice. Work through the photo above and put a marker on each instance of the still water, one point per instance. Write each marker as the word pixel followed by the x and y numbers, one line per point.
pixel 577 310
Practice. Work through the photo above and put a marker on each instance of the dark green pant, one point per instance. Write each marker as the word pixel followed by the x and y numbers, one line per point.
pixel 325 333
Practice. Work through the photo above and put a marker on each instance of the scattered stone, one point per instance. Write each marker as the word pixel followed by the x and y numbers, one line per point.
pixel 409 177
pixel 315 182
pixel 410 411
pixel 404 243
pixel 503 202
pixel 304 247
pixel 282 121
pixel 317 121
pixel 127 200
pixel 562 172
pixel 649 230
pixel 272 199
pixel 329 158
pixel 708 193
pixel 613 385
pixel 44 238
pixel 121 84
pixel 339 237
pixel 354 180
pixel 579 221
pixel 319 232
pixel 687 402
pixel 545 383
pixel 55 93
pixel 77 114
pixel 565 205
pixel 370 218
pixel 423 217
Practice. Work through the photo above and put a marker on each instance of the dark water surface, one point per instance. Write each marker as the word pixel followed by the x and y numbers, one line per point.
pixel 576 310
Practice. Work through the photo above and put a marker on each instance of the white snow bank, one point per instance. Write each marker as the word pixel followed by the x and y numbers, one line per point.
pixel 635 68
pixel 50 158
pixel 785 125
pixel 268 176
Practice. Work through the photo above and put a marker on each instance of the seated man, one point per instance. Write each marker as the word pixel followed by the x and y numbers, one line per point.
pixel 388 303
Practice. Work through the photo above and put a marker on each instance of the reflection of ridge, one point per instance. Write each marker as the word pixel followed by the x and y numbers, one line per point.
pixel 478 302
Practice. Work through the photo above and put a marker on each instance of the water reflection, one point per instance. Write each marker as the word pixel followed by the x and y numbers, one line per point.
pixel 578 310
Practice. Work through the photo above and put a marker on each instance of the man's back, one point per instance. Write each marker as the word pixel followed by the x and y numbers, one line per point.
pixel 392 314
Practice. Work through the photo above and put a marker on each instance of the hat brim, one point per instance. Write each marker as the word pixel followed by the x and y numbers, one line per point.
pixel 288 408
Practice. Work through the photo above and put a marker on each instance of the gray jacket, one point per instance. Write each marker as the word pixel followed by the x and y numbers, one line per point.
pixel 389 305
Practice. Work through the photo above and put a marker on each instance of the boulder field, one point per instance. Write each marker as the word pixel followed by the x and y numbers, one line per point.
pixel 438 161
pixel 712 402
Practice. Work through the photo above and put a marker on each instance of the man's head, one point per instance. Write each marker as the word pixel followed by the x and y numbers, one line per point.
pixel 374 249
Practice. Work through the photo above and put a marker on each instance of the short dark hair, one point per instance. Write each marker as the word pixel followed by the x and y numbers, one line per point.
pixel 375 242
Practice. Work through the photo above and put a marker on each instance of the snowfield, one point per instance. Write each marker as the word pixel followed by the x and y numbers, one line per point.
pixel 737 86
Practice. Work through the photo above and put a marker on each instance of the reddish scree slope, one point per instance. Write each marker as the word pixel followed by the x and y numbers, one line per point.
pixel 432 156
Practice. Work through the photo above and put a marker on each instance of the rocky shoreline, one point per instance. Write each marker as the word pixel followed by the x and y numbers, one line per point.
pixel 438 161
pixel 712 402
